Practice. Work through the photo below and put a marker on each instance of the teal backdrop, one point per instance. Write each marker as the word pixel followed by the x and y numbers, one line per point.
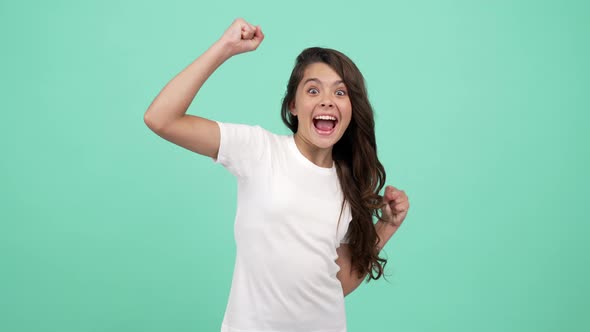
pixel 481 117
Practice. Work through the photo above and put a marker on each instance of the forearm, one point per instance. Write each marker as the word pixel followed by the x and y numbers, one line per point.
pixel 174 99
pixel 385 231
pixel 348 276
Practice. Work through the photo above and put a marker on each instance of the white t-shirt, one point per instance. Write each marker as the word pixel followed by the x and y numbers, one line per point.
pixel 287 228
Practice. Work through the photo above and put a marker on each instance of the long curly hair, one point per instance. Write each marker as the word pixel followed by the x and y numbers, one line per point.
pixel 360 172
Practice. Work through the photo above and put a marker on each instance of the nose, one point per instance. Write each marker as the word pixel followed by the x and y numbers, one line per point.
pixel 327 103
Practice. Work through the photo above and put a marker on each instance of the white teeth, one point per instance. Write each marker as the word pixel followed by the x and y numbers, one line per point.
pixel 325 117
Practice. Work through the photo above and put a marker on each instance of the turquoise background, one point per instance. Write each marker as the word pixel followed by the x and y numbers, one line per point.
pixel 482 118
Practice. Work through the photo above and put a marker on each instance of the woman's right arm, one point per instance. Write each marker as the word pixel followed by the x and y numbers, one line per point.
pixel 167 117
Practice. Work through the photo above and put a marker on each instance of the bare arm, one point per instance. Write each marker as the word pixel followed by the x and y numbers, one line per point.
pixel 166 116
pixel 395 211
pixel 347 275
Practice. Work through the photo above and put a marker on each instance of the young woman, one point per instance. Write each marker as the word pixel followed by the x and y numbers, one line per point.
pixel 304 229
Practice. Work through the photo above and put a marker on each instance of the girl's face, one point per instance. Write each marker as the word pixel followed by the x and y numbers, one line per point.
pixel 322 106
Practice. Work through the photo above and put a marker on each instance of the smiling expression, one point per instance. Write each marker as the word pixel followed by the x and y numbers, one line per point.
pixel 322 107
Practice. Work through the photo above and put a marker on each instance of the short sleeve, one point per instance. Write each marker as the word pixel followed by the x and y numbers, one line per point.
pixel 241 148
pixel 346 217
pixel 346 239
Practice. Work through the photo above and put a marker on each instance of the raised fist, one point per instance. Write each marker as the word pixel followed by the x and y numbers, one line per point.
pixel 242 36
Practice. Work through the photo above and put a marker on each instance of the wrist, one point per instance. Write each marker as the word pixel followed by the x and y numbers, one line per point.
pixel 222 49
pixel 387 223
pixel 385 231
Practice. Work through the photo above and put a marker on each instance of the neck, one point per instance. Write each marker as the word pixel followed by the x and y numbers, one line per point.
pixel 320 157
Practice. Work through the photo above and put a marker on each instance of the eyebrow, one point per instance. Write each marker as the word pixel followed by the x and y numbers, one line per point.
pixel 313 79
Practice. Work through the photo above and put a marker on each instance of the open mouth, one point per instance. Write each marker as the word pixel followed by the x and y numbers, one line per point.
pixel 325 124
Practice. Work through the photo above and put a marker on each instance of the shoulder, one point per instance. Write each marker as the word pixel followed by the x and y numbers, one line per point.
pixel 248 142
pixel 246 129
pixel 245 133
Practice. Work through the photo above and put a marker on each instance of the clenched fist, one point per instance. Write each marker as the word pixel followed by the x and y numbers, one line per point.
pixel 242 36
pixel 396 206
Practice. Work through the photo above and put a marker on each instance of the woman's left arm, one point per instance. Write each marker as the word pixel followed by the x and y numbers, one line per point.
pixel 394 212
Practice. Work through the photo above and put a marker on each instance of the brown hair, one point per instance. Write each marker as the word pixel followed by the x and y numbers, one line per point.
pixel 360 172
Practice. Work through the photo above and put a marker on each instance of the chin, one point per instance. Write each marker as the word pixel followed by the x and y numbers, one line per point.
pixel 324 142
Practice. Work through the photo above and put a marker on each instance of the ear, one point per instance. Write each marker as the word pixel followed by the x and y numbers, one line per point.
pixel 292 108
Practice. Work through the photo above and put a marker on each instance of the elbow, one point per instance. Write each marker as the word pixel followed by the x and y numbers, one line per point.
pixel 149 121
pixel 351 286
pixel 350 282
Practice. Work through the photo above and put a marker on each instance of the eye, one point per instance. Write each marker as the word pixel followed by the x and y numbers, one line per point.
pixel 312 91
pixel 341 93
